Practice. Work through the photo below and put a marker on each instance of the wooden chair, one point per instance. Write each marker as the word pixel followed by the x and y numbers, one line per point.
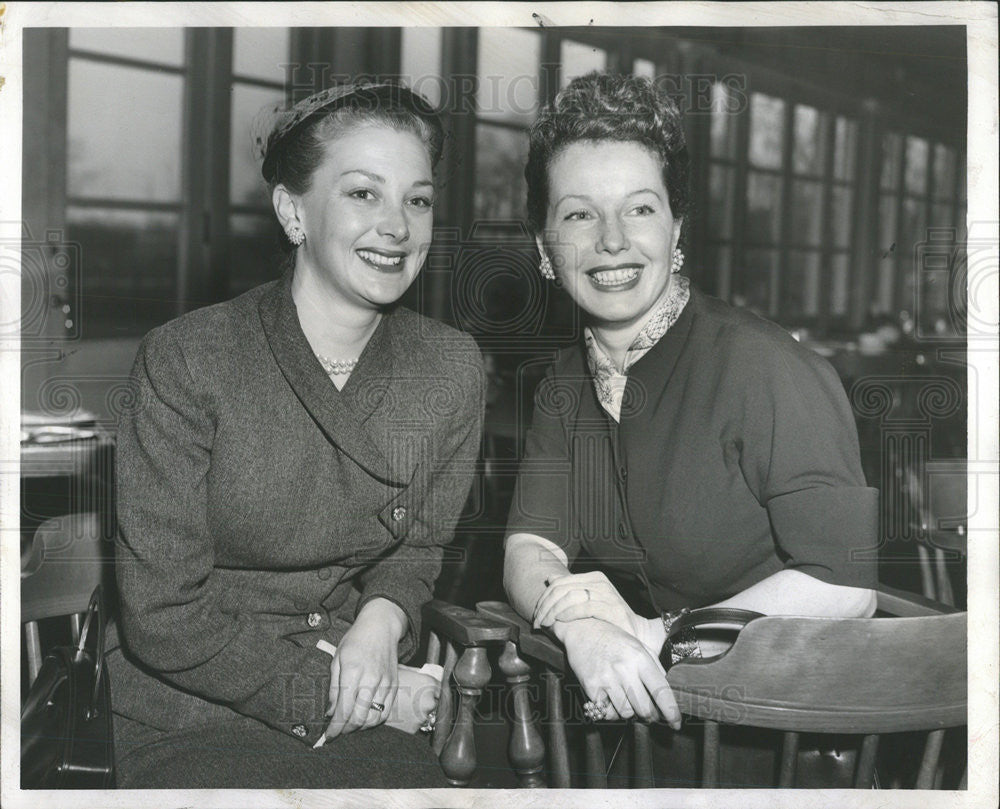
pixel 866 677
pixel 67 558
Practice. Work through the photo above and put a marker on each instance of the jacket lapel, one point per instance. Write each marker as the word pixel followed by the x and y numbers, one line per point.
pixel 340 414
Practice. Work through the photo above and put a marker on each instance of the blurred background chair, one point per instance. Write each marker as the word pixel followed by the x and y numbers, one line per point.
pixel 66 559
pixel 938 511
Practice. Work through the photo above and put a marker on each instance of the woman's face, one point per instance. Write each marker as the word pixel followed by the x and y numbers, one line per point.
pixel 367 215
pixel 609 231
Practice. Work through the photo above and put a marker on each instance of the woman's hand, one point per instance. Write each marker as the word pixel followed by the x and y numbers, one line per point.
pixel 587 595
pixel 364 670
pixel 612 664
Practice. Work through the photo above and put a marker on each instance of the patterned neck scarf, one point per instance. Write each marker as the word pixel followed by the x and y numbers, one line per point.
pixel 609 381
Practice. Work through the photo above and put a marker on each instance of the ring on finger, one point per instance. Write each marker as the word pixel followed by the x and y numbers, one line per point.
pixel 377 706
pixel 595 711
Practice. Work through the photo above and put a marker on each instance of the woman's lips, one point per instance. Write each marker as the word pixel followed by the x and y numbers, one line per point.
pixel 615 279
pixel 390 262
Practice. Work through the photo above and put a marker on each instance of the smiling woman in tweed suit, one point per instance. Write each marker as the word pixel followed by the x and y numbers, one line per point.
pixel 295 460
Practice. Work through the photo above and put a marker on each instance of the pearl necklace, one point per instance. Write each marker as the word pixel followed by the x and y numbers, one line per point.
pixel 337 367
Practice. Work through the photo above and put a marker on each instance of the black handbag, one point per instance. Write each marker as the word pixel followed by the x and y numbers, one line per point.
pixel 66 730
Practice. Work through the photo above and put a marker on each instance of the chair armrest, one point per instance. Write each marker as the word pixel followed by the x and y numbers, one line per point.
pixel 462 626
pixel 536 645
pixel 904 604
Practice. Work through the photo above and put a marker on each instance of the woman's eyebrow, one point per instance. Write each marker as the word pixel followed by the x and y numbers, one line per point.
pixel 369 174
pixel 586 198
pixel 378 178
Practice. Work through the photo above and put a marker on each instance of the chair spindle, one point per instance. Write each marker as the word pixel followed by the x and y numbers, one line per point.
pixel 864 774
pixel 642 777
pixel 789 757
pixel 710 757
pixel 34 644
pixel 458 758
pixel 929 761
pixel 526 749
pixel 597 777
pixel 558 746
pixel 442 727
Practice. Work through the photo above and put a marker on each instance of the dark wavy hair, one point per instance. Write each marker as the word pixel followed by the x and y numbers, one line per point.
pixel 605 106
pixel 293 153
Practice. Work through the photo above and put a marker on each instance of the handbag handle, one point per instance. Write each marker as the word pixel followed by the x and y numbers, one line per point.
pixel 688 620
pixel 95 611
pixel 730 616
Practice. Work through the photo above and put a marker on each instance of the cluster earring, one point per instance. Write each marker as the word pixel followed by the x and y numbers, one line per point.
pixel 545 268
pixel 677 260
pixel 296 235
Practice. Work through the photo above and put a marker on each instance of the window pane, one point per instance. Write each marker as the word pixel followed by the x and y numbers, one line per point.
pixel 809 151
pixel 766 130
pixel 944 172
pixel 261 53
pixel 246 186
pixel 941 215
pixel 577 59
pixel 800 291
pixel 720 263
pixel 509 61
pixel 892 147
pixel 163 45
pixel 887 223
pixel 129 270
pixel 916 165
pixel 124 144
pixel 723 123
pixel 643 67
pixel 721 182
pixel 421 61
pixel 886 276
pixel 756 281
pixel 807 212
pixel 840 215
pixel 500 158
pixel 914 227
pixel 839 282
pixel 845 146
pixel 255 253
pixel 763 207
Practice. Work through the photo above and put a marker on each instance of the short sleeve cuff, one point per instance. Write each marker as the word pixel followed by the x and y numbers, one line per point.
pixel 829 532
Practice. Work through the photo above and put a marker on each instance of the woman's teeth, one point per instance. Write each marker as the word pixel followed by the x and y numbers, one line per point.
pixel 610 278
pixel 377 258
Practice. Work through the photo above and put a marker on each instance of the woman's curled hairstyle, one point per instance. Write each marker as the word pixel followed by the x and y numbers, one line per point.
pixel 296 144
pixel 605 106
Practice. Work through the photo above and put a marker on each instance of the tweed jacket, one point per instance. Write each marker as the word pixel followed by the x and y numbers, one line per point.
pixel 259 507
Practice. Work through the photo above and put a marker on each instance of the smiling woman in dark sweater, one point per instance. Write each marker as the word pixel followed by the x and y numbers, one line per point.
pixel 294 463
pixel 691 453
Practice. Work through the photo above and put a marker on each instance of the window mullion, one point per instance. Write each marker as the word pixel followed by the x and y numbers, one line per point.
pixel 779 274
pixel 826 240
pixel 218 99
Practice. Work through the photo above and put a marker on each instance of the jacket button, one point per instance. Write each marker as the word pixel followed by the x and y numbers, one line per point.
pixel 398 513
pixel 314 619
pixel 324 574
pixel 623 471
pixel 299 730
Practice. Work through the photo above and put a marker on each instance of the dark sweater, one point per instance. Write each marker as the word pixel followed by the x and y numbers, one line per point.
pixel 736 457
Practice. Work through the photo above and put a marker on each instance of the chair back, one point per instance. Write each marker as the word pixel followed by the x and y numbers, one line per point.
pixel 862 676
pixel 824 675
